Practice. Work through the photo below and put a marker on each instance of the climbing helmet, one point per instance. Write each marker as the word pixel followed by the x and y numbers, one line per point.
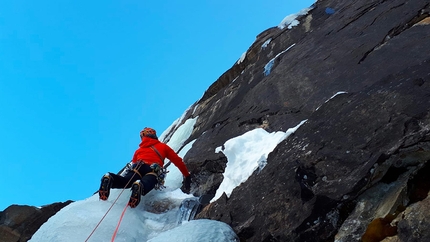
pixel 148 132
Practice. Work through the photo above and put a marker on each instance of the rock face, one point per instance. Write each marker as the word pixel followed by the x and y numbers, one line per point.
pixel 358 72
pixel 19 223
pixel 355 171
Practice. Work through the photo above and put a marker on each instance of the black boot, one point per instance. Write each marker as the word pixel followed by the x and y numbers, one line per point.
pixel 136 192
pixel 105 186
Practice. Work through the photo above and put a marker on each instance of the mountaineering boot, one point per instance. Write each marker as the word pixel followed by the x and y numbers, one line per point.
pixel 136 192
pixel 105 187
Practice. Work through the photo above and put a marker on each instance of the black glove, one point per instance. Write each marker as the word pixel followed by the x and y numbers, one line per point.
pixel 186 183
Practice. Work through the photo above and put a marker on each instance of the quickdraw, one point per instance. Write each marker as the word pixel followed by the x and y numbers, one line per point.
pixel 161 173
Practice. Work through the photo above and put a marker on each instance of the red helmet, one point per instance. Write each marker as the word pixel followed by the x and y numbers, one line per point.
pixel 148 132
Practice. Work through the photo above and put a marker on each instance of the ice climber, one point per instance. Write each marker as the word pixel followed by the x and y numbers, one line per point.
pixel 147 161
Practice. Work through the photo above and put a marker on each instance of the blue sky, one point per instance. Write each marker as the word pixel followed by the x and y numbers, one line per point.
pixel 79 80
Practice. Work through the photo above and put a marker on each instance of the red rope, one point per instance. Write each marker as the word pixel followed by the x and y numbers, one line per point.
pixel 94 230
pixel 119 223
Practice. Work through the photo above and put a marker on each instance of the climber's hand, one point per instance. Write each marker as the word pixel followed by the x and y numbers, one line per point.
pixel 186 183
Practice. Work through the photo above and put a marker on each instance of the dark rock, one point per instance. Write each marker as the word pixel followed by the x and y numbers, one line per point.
pixel 353 147
pixel 18 223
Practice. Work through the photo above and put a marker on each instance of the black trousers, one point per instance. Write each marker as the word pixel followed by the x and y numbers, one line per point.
pixel 148 180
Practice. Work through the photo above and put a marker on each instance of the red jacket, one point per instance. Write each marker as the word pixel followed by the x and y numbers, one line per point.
pixel 149 156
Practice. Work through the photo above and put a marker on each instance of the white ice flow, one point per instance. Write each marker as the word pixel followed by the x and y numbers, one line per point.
pixel 247 153
pixel 154 219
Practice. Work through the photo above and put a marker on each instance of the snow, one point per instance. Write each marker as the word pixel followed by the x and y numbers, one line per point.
pixel 247 153
pixel 175 124
pixel 185 130
pixel 197 230
pixel 291 21
pixel 195 108
pixel 164 136
pixel 269 65
pixel 338 93
pixel 266 43
pixel 235 79
pixel 156 217
pixel 242 57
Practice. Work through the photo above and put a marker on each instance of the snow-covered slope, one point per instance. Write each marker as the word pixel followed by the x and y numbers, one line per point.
pixel 154 219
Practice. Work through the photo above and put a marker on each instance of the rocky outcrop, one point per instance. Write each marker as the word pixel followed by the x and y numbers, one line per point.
pixel 18 223
pixel 359 74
